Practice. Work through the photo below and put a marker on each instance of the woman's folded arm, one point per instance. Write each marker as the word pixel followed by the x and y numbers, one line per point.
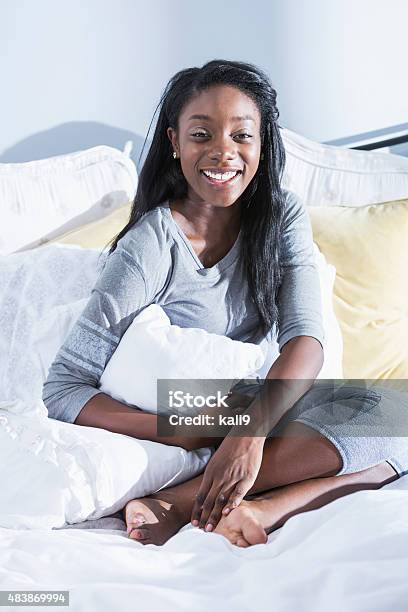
pixel 107 413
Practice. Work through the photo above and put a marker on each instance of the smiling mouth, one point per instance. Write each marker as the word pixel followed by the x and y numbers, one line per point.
pixel 226 178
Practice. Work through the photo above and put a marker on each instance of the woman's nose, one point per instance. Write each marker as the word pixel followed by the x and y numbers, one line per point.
pixel 222 145
pixel 222 149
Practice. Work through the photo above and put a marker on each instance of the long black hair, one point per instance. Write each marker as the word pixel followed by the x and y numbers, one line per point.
pixel 161 177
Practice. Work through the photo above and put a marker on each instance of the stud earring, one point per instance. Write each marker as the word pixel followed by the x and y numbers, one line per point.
pixel 175 154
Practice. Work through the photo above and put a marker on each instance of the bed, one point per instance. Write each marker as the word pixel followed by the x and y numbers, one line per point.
pixel 61 528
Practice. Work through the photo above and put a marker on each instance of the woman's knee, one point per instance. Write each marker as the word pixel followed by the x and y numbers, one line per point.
pixel 303 452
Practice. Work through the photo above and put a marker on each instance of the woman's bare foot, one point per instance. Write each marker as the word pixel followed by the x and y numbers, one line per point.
pixel 152 520
pixel 253 519
pixel 244 526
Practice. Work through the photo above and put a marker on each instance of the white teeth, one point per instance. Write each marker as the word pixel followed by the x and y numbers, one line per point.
pixel 225 176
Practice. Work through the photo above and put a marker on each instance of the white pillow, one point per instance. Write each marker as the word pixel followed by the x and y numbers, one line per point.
pixel 55 473
pixel 152 348
pixel 333 342
pixel 32 284
pixel 326 175
pixel 45 198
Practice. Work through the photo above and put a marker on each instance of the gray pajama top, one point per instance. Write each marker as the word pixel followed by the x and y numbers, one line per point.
pixel 154 262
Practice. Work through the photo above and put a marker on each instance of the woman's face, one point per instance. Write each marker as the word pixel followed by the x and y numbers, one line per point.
pixel 218 132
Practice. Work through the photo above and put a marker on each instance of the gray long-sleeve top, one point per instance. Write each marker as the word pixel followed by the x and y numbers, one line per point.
pixel 154 262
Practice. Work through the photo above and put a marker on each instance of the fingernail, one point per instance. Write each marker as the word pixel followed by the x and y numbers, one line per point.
pixel 208 527
pixel 226 510
pixel 195 523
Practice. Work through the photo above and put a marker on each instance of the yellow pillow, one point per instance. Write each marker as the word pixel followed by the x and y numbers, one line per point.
pixel 368 247
pixel 97 234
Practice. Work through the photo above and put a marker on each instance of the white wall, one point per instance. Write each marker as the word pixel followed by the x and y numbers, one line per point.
pixel 82 72
pixel 344 66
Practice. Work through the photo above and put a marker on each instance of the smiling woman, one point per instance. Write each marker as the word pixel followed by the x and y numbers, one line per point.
pixel 218 143
pixel 225 125
pixel 213 120
pixel 216 242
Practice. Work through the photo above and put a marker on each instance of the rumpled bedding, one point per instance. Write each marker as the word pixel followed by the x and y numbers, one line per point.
pixel 349 555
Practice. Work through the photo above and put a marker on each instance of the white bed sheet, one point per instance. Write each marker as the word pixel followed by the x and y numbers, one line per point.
pixel 349 555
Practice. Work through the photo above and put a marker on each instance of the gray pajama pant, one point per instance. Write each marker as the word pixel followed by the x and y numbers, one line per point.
pixel 367 425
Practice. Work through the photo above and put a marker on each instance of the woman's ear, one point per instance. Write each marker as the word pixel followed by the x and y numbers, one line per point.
pixel 171 133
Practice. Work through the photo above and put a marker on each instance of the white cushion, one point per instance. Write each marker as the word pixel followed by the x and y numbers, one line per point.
pixel 60 473
pixel 152 348
pixel 45 198
pixel 325 175
pixel 33 285
pixel 333 342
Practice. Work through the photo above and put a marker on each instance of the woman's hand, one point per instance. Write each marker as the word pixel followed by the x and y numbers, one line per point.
pixel 229 475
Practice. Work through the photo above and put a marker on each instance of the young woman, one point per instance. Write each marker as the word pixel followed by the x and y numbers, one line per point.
pixel 218 244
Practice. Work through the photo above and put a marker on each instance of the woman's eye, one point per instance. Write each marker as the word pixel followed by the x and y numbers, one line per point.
pixel 243 136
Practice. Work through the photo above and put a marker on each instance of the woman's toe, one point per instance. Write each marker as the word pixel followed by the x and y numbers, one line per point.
pixel 242 543
pixel 139 534
pixel 138 519
pixel 137 513
pixel 135 522
pixel 253 532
